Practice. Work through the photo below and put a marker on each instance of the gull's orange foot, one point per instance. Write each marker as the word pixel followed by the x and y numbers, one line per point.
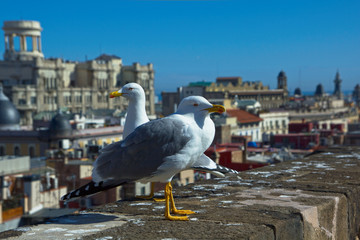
pixel 182 212
pixel 159 199
pixel 177 218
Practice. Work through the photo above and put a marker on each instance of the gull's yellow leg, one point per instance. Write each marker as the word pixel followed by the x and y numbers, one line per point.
pixel 151 195
pixel 174 209
pixel 168 197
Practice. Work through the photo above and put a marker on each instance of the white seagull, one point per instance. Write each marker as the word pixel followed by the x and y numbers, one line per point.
pixel 136 116
pixel 156 151
pixel 136 113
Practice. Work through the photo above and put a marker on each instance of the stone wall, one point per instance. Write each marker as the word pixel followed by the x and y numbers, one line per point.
pixel 312 198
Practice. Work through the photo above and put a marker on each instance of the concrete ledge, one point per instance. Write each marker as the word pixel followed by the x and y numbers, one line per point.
pixel 313 198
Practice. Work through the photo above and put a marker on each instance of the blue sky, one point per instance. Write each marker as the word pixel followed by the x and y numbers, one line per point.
pixel 201 40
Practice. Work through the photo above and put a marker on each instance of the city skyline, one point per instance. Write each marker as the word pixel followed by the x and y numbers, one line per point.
pixel 191 41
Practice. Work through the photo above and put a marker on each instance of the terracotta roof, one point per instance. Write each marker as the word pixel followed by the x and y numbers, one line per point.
pixel 243 116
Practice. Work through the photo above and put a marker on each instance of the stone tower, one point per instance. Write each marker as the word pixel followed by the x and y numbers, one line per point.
pixel 356 94
pixel 337 90
pixel 22 40
pixel 282 80
pixel 319 91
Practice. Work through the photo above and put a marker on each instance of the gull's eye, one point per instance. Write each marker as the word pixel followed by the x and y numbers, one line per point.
pixel 130 88
pixel 196 104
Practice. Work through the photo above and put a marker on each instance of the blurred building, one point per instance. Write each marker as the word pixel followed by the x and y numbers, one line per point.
pixel 356 94
pixel 230 88
pixel 247 124
pixel 35 84
pixel 273 123
pixel 337 90
pixel 28 192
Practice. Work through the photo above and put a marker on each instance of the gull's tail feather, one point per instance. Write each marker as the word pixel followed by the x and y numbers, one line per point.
pixel 219 169
pixel 90 188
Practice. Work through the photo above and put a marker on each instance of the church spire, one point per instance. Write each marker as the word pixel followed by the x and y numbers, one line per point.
pixel 337 82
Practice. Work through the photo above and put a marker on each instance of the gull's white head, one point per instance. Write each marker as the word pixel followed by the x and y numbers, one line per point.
pixel 131 91
pixel 198 104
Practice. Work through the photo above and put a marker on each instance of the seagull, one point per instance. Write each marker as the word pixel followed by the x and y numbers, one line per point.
pixel 136 116
pixel 156 151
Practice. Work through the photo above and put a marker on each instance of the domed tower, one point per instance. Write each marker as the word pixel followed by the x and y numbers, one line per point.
pixel 282 80
pixel 60 131
pixel 337 90
pixel 60 126
pixel 22 40
pixel 319 92
pixel 9 115
pixel 297 92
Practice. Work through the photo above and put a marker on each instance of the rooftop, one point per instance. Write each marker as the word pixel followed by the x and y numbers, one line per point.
pixel 243 116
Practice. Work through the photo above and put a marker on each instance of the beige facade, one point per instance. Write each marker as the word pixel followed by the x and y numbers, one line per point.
pixel 35 84
pixel 229 84
pixel 227 89
pixel 273 123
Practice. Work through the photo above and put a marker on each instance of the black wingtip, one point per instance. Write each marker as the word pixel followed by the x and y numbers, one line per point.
pixel 89 189
pixel 223 169
pixel 218 168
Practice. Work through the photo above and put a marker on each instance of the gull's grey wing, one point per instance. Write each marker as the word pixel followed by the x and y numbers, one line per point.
pixel 142 152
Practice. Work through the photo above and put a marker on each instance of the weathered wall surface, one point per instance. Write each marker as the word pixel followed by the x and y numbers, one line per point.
pixel 312 198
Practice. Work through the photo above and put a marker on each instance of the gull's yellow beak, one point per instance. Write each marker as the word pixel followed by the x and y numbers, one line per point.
pixel 115 94
pixel 216 108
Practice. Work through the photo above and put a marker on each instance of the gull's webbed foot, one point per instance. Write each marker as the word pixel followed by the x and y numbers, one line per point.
pixel 177 218
pixel 159 199
pixel 182 212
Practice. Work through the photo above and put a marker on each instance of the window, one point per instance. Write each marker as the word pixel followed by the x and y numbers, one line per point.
pixel 78 99
pixel 22 102
pixel 16 151
pixel 2 151
pixel 143 191
pixel 33 100
pixel 146 84
pixel 102 83
pixel 187 181
pixel 67 99
pixel 88 99
pixel 31 151
pixel 50 83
